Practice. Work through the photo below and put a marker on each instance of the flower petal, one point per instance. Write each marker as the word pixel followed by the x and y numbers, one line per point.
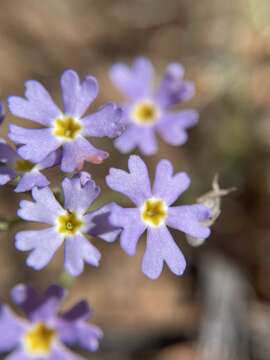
pixel 7 154
pixel 147 141
pixel 141 136
pixel 79 333
pixel 79 311
pixel 45 209
pixel 53 159
pixel 173 127
pixel 38 105
pixel 160 246
pixel 36 307
pixel 31 179
pixel 173 88
pixel 135 184
pixel 11 329
pixel 60 352
pixel 167 186
pixel 6 175
pixel 18 355
pixel 135 81
pixel 73 329
pixel 75 153
pixel 43 243
pixel 88 336
pixel 133 227
pixel 189 219
pixel 80 192
pixel 98 223
pixel 26 297
pixel 128 140
pixel 37 144
pixel 2 112
pixel 106 121
pixel 77 96
pixel 49 303
pixel 77 251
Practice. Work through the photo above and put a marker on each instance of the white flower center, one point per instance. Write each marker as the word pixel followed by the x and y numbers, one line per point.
pixel 38 340
pixel 154 212
pixel 145 112
pixel 66 128
pixel 68 224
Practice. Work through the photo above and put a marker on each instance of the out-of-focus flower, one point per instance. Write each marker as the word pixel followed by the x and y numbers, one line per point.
pixel 28 173
pixel 66 130
pixel 68 224
pixel 212 200
pixel 44 334
pixel 148 111
pixel 154 213
pixel 2 112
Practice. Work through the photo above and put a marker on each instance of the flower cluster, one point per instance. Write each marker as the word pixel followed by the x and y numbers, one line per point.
pixel 61 138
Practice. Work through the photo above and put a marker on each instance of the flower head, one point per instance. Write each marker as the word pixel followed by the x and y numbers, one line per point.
pixel 149 111
pixel 153 213
pixel 28 173
pixel 66 130
pixel 45 333
pixel 68 224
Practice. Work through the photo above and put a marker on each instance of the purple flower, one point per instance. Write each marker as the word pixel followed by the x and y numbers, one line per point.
pixel 66 130
pixel 2 113
pixel 44 334
pixel 148 111
pixel 29 174
pixel 68 225
pixel 153 212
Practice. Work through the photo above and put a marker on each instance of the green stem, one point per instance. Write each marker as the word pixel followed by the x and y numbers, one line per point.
pixel 8 224
pixel 66 280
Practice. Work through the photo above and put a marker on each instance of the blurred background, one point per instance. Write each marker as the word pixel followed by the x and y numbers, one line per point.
pixel 220 307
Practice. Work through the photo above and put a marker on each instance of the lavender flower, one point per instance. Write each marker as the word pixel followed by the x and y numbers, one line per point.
pixel 28 173
pixel 66 130
pixel 153 212
pixel 68 224
pixel 147 111
pixel 44 334
pixel 2 113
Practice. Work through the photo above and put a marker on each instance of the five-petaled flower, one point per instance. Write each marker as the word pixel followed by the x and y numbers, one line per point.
pixel 44 334
pixel 68 224
pixel 148 111
pixel 65 130
pixel 154 213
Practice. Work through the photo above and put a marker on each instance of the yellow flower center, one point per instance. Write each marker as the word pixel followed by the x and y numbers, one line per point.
pixel 145 113
pixel 24 165
pixel 154 212
pixel 68 224
pixel 66 128
pixel 38 341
